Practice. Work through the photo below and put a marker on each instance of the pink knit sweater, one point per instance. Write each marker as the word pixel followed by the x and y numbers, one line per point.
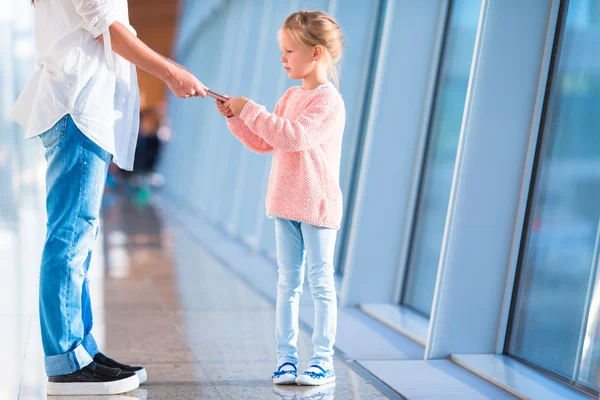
pixel 305 135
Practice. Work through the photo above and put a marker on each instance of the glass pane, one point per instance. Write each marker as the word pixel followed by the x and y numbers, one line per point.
pixel 441 154
pixel 358 22
pixel 555 295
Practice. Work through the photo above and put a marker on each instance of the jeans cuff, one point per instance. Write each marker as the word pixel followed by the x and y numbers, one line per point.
pixel 89 344
pixel 284 360
pixel 322 363
pixel 67 363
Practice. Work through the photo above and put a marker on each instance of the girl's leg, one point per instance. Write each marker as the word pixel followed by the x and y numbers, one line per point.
pixel 320 248
pixel 290 257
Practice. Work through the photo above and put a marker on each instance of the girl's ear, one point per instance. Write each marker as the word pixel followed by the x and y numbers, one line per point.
pixel 318 52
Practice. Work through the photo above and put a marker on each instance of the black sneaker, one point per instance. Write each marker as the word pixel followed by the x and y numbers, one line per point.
pixel 93 379
pixel 109 362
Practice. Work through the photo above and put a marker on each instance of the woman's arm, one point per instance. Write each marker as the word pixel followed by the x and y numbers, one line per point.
pixel 99 17
pixel 181 82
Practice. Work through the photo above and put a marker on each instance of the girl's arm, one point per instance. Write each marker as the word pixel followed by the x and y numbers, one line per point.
pixel 253 142
pixel 237 126
pixel 312 127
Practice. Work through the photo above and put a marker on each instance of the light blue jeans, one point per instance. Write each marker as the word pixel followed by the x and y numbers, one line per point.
pixel 294 241
pixel 75 179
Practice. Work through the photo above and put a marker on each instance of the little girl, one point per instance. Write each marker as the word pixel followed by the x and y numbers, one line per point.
pixel 304 197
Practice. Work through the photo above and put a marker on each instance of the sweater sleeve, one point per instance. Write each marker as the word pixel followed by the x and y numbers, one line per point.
pixel 250 139
pixel 311 127
pixel 253 142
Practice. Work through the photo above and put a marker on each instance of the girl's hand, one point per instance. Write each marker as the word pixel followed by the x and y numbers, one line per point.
pixel 236 105
pixel 223 109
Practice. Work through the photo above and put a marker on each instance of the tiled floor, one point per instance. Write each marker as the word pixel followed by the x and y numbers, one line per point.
pixel 375 349
pixel 160 300
pixel 196 308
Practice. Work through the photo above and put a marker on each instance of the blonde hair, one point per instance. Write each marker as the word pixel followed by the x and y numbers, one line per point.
pixel 314 28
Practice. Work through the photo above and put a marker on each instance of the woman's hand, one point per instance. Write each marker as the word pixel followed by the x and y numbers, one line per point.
pixel 223 109
pixel 183 83
pixel 236 105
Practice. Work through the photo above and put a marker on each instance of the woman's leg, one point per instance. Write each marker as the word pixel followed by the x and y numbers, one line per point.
pixel 74 182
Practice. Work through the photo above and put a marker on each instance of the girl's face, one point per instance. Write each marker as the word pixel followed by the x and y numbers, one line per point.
pixel 298 59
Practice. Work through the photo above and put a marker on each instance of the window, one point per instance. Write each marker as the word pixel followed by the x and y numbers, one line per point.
pixel 359 23
pixel 441 155
pixel 555 319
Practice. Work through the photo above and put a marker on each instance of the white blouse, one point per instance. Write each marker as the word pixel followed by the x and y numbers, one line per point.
pixel 80 75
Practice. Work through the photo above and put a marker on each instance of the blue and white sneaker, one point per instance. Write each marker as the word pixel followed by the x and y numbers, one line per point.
pixel 316 376
pixel 285 374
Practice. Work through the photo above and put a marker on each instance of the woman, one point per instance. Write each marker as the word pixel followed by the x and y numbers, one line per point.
pixel 83 102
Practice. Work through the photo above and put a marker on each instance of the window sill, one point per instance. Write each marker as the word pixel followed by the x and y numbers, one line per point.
pixel 401 319
pixel 516 378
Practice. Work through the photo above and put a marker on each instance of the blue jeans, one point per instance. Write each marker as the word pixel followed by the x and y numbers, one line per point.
pixel 294 240
pixel 75 179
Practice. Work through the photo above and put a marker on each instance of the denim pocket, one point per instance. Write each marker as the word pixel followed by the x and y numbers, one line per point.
pixel 55 134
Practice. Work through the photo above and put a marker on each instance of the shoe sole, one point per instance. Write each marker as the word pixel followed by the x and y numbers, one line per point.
pixel 93 388
pixel 142 375
pixel 315 382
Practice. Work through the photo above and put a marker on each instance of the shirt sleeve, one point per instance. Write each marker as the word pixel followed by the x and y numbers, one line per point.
pixel 97 15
